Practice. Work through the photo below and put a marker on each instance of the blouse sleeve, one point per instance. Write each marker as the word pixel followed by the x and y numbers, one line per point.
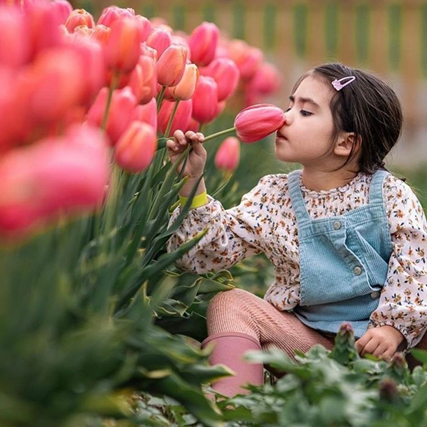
pixel 403 301
pixel 232 234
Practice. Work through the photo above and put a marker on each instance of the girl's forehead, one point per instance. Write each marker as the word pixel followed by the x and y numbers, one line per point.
pixel 316 89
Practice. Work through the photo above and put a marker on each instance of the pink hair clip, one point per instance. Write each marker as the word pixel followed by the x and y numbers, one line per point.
pixel 343 82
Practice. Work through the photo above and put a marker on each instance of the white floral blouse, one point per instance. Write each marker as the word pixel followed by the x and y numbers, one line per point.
pixel 265 222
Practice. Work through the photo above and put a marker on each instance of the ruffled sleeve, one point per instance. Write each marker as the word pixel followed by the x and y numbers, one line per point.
pixel 403 301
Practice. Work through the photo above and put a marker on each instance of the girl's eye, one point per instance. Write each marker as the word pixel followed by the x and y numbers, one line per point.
pixel 305 113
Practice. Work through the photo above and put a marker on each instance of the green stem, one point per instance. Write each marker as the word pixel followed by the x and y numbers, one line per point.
pixel 168 127
pixel 113 85
pixel 221 133
pixel 160 98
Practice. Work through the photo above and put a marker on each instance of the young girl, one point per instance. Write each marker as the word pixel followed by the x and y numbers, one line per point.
pixel 346 238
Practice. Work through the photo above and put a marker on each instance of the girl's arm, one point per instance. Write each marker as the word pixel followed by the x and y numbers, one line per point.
pixel 232 234
pixel 403 301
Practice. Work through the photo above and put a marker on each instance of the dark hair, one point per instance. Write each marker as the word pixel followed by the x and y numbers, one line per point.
pixel 368 107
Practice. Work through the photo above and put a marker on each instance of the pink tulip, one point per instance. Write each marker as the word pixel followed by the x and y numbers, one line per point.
pixel 228 155
pixel 101 34
pixel 147 113
pixel 171 65
pixel 181 39
pixel 14 45
pixel 226 74
pixel 123 103
pixel 258 121
pixel 203 42
pixel 63 8
pixel 205 100
pixel 42 23
pixel 113 13
pixel 52 176
pixel 143 79
pixel 145 25
pixel 266 79
pixel 181 119
pixel 136 148
pixel 123 47
pixel 56 83
pixel 193 125
pixel 185 88
pixel 159 40
pixel 247 58
pixel 79 17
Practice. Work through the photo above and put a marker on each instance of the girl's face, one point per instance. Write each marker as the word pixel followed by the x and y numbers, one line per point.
pixel 306 136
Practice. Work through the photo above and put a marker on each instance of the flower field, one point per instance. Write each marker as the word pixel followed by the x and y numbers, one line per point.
pixel 97 326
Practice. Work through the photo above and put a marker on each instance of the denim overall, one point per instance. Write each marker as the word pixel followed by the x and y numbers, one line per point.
pixel 343 261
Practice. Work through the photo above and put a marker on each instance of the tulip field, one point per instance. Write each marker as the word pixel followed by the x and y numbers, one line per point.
pixel 97 325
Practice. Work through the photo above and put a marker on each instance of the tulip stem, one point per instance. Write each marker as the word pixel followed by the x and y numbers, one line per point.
pixel 221 133
pixel 168 127
pixel 160 98
pixel 113 85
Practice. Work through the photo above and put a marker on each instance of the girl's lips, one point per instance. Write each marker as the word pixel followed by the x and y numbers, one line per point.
pixel 280 136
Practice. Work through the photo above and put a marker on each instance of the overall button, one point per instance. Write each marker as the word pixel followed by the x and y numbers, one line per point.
pixel 357 270
pixel 375 295
pixel 337 225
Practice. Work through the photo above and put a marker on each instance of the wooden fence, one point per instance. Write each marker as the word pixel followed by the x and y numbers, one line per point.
pixel 388 37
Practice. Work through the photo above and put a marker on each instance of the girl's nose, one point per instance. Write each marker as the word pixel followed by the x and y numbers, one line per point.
pixel 288 117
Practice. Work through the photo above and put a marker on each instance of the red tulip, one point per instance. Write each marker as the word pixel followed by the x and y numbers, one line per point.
pixel 123 103
pixel 79 17
pixel 171 65
pixel 159 40
pixel 123 47
pixel 226 74
pixel 101 34
pixel 43 180
pixel 205 100
pixel 113 13
pixel 203 42
pixel 228 155
pixel 266 79
pixel 14 45
pixel 136 148
pixel 258 121
pixel 185 88
pixel 181 119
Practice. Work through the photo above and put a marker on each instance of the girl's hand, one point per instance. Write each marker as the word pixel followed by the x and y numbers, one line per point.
pixel 382 342
pixel 195 164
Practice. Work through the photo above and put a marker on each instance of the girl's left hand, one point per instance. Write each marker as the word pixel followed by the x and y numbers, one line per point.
pixel 382 342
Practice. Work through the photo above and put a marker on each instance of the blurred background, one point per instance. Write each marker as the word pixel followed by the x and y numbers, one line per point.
pixel 387 37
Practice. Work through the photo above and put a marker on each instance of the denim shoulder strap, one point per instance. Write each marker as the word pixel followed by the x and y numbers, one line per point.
pixel 376 187
pixel 294 179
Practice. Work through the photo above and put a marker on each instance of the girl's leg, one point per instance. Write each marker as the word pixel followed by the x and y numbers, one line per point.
pixel 257 321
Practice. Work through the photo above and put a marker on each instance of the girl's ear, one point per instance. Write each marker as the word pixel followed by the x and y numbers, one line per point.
pixel 345 144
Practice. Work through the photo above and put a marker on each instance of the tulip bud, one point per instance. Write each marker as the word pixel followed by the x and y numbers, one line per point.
pixel 205 100
pixel 14 46
pixel 185 88
pixel 228 155
pixel 101 34
pixel 79 17
pixel 181 119
pixel 266 80
pixel 193 125
pixel 123 47
pixel 203 42
pixel 113 13
pixel 147 113
pixel 56 84
pixel 171 65
pixel 143 79
pixel 123 103
pixel 247 58
pixel 258 121
pixel 39 182
pixel 136 147
pixel 63 8
pixel 159 40
pixel 226 74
